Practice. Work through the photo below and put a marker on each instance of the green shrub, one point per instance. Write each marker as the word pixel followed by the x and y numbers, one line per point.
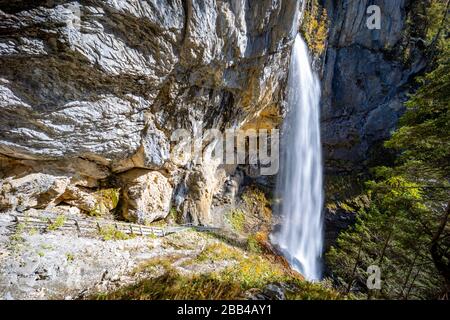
pixel 106 200
pixel 70 257
pixel 315 28
pixel 253 244
pixel 58 223
pixel 111 233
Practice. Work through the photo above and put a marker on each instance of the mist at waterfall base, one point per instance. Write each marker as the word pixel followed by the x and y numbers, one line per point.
pixel 300 181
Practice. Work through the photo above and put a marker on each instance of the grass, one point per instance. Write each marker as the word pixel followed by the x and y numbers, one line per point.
pixel 219 251
pixel 96 211
pixel 17 240
pixel 254 272
pixel 17 236
pixel 249 272
pixel 32 231
pixel 180 241
pixel 173 286
pixel 231 283
pixel 226 238
pixel 111 233
pixel 156 263
pixel 152 236
pixel 236 219
pixel 58 223
pixel 254 243
pixel 46 246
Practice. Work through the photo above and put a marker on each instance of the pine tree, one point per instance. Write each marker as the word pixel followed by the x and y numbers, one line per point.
pixel 406 229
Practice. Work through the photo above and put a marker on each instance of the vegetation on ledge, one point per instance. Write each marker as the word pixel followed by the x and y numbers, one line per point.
pixel 244 274
pixel 315 27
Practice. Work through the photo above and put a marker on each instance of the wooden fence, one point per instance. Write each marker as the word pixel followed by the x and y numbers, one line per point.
pixel 95 226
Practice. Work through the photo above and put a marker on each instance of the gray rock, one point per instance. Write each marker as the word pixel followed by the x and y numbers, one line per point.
pixel 274 291
pixel 35 190
pixel 146 195
pixel 156 149
pixel 365 81
pixel 82 89
pixel 107 82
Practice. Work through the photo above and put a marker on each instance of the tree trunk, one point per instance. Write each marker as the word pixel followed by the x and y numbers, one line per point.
pixel 442 264
pixel 402 293
pixel 354 268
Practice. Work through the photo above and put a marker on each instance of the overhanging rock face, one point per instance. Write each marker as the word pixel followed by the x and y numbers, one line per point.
pixel 93 88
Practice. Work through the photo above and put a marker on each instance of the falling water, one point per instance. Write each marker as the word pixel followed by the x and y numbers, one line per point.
pixel 300 180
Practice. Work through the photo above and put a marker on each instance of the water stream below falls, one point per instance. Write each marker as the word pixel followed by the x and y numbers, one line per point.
pixel 300 181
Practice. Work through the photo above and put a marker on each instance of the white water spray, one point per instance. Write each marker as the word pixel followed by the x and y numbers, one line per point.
pixel 300 179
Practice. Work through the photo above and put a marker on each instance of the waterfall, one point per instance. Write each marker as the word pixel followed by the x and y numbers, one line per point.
pixel 299 182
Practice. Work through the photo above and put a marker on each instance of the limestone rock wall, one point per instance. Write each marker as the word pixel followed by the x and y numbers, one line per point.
pixel 365 79
pixel 92 89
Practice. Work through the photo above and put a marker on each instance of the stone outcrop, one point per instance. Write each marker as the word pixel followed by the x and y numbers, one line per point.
pixel 26 184
pixel 36 190
pixel 105 83
pixel 201 184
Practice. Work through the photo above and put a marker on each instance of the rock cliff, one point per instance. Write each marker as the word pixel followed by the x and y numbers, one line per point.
pixel 366 77
pixel 91 91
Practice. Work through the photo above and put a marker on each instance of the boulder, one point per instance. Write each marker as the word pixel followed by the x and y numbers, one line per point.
pixel 36 190
pixel 94 202
pixel 145 196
